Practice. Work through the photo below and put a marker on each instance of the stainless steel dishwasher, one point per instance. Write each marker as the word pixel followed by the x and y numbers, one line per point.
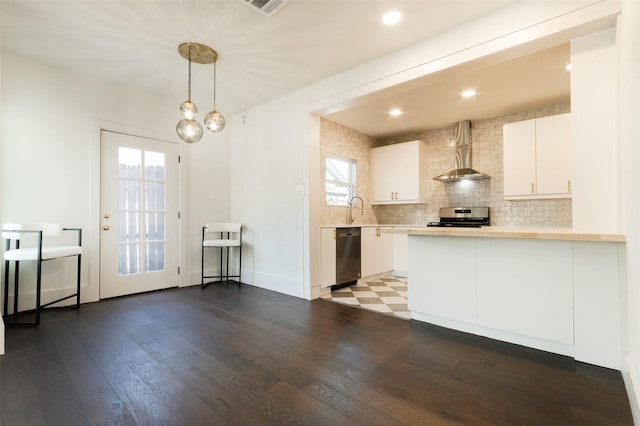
pixel 347 256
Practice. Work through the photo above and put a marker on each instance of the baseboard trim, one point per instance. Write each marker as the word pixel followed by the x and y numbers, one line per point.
pixel 630 377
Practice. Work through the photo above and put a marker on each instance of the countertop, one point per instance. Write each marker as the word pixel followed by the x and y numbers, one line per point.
pixel 508 232
pixel 369 225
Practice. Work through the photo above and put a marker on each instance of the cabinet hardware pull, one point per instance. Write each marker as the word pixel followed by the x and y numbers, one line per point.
pixel 569 185
pixel 532 189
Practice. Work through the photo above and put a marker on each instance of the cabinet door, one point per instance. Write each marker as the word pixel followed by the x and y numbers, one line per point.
pixel 553 154
pixel 377 251
pixel 407 171
pixel 519 152
pixel 383 167
pixel 400 253
pixel 327 257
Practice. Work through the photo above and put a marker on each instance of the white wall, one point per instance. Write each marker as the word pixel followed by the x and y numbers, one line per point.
pixel 207 195
pixel 49 155
pixel 594 112
pixel 266 177
pixel 629 134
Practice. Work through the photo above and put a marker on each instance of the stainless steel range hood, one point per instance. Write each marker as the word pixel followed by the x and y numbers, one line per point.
pixel 462 157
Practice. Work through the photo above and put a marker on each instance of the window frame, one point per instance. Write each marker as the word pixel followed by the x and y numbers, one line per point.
pixel 350 184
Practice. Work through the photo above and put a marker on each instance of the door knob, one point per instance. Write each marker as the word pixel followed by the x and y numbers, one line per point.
pixel 106 227
pixel 106 216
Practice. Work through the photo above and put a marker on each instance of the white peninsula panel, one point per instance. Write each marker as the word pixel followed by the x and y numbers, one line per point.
pixel 443 285
pixel 526 287
pixel 555 290
pixel 598 290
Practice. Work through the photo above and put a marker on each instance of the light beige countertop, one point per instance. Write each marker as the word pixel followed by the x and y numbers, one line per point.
pixel 508 232
pixel 369 225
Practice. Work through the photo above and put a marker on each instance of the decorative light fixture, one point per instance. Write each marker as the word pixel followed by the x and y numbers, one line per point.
pixel 214 121
pixel 189 129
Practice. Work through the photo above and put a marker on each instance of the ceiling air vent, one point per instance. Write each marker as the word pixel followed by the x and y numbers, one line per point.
pixel 266 7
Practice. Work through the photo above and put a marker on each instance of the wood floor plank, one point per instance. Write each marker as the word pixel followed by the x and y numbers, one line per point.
pixel 96 394
pixel 229 356
pixel 19 400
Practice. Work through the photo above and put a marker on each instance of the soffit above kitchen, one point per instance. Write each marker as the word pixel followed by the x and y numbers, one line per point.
pixel 133 43
pixel 504 84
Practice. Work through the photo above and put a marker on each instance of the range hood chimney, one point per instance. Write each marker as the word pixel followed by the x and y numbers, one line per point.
pixel 462 151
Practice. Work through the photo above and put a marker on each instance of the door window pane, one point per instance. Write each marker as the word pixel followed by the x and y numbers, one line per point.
pixel 154 257
pixel 154 195
pixel 129 229
pixel 129 162
pixel 155 226
pixel 154 165
pixel 129 259
pixel 128 194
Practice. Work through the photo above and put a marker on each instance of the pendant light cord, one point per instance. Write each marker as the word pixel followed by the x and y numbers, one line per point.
pixel 189 94
pixel 214 86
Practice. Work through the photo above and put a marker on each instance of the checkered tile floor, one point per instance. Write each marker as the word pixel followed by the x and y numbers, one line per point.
pixel 386 295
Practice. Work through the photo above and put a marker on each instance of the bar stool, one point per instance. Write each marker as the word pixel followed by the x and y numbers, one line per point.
pixel 17 232
pixel 222 235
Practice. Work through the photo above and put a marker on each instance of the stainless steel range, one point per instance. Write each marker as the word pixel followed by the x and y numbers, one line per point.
pixel 463 217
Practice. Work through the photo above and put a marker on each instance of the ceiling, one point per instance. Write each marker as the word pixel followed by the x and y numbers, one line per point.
pixel 134 43
pixel 503 86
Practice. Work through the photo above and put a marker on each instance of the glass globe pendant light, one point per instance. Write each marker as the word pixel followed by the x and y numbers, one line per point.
pixel 188 128
pixel 214 120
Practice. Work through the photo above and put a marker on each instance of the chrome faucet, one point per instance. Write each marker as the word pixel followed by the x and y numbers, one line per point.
pixel 350 218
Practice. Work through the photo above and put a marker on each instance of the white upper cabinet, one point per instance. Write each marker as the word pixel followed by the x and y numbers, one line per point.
pixel 537 158
pixel 399 173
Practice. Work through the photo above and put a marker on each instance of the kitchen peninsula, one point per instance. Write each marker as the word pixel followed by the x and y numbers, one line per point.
pixel 549 289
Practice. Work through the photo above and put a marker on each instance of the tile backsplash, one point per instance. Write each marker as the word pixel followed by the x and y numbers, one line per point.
pixel 486 139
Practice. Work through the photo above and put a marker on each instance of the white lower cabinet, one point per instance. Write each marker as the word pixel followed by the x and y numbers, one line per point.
pixel 526 287
pixel 376 251
pixel 327 257
pixel 400 254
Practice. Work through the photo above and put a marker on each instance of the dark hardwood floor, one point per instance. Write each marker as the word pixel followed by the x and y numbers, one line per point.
pixel 253 357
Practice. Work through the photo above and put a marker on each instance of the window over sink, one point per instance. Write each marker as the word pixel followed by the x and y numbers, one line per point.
pixel 340 180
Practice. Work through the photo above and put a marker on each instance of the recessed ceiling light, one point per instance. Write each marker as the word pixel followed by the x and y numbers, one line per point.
pixel 468 93
pixel 568 67
pixel 395 112
pixel 392 17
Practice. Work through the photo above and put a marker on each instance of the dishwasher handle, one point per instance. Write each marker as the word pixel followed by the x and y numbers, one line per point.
pixel 348 233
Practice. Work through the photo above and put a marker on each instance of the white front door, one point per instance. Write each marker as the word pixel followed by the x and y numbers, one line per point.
pixel 139 208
